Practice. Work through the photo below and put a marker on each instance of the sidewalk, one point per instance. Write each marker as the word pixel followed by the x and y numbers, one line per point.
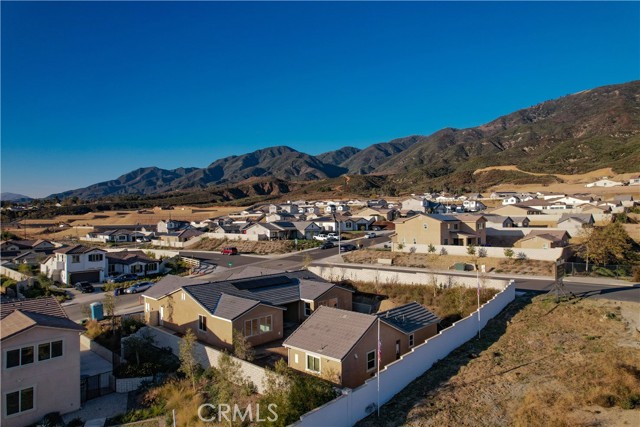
pixel 336 260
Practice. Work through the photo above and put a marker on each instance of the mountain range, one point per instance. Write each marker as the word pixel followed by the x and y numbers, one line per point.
pixel 573 134
pixel 13 197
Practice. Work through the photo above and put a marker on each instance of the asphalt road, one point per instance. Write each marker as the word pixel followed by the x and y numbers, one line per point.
pixel 126 303
pixel 583 290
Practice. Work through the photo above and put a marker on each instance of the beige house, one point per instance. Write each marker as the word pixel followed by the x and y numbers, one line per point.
pixel 257 307
pixel 543 239
pixel 341 346
pixel 462 230
pixel 40 361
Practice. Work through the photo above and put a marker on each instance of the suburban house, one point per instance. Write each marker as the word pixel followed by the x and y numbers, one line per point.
pixel 176 238
pixel 511 200
pixel 40 361
pixel 473 205
pixel 604 183
pixel 543 239
pixel 462 230
pixel 172 226
pixel 347 223
pixel 625 200
pixel 78 263
pixel 378 214
pixel 307 229
pixel 134 262
pixel 341 346
pixel 12 248
pixel 278 230
pixel 114 236
pixel 574 223
pixel 635 180
pixel 517 210
pixel 257 307
pixel 422 206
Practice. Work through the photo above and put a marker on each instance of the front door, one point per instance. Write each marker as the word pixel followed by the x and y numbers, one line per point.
pixel 161 316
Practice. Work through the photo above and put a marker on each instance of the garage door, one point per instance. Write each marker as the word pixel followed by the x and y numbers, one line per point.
pixel 86 276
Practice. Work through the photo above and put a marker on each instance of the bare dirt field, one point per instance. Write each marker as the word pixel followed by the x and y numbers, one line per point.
pixel 536 364
pixel 445 262
pixel 572 183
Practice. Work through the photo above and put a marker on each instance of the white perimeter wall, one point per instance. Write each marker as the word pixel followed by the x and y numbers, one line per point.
pixel 356 404
pixel 550 254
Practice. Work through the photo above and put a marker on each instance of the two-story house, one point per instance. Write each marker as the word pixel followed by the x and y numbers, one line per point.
pixel 462 230
pixel 78 263
pixel 40 361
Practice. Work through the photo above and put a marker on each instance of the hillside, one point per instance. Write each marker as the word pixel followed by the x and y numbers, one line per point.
pixel 573 134
pixel 14 197
pixel 589 130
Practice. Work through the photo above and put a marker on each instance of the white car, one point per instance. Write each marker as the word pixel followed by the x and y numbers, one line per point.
pixel 370 235
pixel 320 237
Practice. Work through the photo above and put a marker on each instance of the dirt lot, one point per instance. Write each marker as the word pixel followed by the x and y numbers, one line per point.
pixel 537 364
pixel 260 247
pixel 444 262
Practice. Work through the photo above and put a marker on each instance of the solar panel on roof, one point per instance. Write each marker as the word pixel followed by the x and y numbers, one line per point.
pixel 262 282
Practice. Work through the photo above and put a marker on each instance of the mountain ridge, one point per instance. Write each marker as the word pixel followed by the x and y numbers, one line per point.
pixel 587 130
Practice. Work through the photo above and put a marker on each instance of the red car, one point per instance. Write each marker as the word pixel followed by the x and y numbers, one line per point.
pixel 229 251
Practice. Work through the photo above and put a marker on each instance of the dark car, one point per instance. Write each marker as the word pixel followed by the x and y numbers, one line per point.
pixel 84 287
pixel 123 278
pixel 347 248
pixel 327 245
pixel 229 251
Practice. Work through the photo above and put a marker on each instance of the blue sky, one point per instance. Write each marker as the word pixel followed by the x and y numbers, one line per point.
pixel 93 90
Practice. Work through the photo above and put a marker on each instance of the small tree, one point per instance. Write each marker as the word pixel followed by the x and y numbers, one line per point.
pixel 443 251
pixel 109 304
pixel 471 250
pixel 188 363
pixel 241 347
pixel 521 256
pixel 508 252
pixel 24 269
pixel 482 252
pixel 431 248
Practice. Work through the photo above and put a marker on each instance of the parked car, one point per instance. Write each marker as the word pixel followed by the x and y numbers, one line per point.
pixel 229 251
pixel 347 248
pixel 143 239
pixel 328 245
pixel 122 278
pixel 84 287
pixel 320 237
pixel 332 236
pixel 370 235
pixel 138 287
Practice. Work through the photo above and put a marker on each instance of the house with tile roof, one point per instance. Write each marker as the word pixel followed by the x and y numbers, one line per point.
pixel 77 263
pixel 40 361
pixel 543 239
pixel 258 307
pixel 341 345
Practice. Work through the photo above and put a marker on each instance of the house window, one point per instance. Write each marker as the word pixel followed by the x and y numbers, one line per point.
pixel 146 307
pixel 446 241
pixel 411 340
pixel 258 326
pixel 95 257
pixel 313 363
pixel 480 225
pixel 75 259
pixel 19 401
pixel 136 268
pixel 295 358
pixel 19 357
pixel 49 350
pixel 307 309
pixel 371 360
pixel 202 323
pixel 151 267
pixel 112 268
pixel 183 296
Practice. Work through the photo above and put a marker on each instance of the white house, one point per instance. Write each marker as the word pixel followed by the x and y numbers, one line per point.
pixel 511 200
pixel 604 183
pixel 72 264
pixel 634 180
pixel 473 205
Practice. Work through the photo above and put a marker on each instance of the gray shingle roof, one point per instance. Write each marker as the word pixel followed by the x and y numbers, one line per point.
pixel 77 249
pixel 312 289
pixel 409 317
pixel 169 284
pixel 330 332
pixel 18 316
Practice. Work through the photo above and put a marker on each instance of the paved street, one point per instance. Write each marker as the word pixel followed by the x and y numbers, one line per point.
pixel 124 303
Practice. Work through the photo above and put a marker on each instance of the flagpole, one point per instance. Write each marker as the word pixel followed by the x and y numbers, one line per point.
pixel 478 284
pixel 378 366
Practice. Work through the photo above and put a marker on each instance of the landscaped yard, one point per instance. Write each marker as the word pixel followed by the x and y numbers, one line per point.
pixel 262 247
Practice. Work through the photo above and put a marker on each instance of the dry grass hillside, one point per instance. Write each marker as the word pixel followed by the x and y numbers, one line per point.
pixel 537 364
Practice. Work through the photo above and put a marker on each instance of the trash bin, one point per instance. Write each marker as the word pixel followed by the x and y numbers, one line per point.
pixel 96 311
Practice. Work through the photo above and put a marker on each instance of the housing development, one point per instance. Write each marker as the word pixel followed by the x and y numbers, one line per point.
pixel 319 214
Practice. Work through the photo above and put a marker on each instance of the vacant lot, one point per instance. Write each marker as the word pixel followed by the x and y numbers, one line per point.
pixel 444 262
pixel 261 247
pixel 537 364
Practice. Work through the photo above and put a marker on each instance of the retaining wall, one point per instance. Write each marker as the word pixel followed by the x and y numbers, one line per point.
pixel 358 403
pixel 125 385
pixel 390 276
pixel 551 254
pixel 12 274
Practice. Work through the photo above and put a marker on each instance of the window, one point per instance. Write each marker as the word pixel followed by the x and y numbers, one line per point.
pixel 183 296
pixel 44 351
pixel 313 363
pixel 56 349
pixel 202 323
pixel 446 241
pixel 257 326
pixel 75 259
pixel 13 358
pixel 95 257
pixel 371 360
pixel 480 225
pixel 26 355
pixel 307 309
pixel 112 268
pixel 19 401
pixel 411 340
pixel 146 307
pixel 425 225
pixel 136 268
pixel 151 267
pixel 295 358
